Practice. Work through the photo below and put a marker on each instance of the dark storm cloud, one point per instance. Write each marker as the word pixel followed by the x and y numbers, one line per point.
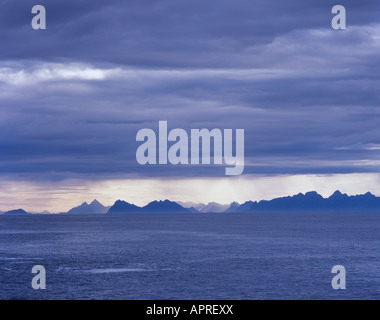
pixel 73 97
pixel 166 33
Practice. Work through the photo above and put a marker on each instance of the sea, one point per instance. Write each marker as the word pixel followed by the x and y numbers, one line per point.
pixel 191 256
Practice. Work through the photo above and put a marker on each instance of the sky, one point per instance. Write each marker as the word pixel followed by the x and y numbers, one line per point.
pixel 73 97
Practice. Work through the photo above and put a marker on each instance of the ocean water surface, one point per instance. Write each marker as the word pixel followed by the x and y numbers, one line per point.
pixel 191 256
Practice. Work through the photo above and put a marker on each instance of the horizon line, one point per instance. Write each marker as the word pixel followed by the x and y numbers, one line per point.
pixel 179 202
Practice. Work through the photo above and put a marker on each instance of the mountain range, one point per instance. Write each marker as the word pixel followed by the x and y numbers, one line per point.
pixel 312 201
pixel 211 207
pixel 92 208
pixel 165 206
pixel 308 202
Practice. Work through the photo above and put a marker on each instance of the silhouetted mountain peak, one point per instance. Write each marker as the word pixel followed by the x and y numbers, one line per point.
pixel 193 210
pixel 121 206
pixel 215 207
pixel 233 207
pixel 189 204
pixel 338 195
pixel 369 195
pixel 313 195
pixel 164 206
pixel 85 208
pixel 17 212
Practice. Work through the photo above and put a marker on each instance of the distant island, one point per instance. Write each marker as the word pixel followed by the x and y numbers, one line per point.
pixel 16 212
pixel 308 202
pixel 93 208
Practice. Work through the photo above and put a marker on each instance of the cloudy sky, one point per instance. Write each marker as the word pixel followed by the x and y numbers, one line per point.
pixel 73 96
